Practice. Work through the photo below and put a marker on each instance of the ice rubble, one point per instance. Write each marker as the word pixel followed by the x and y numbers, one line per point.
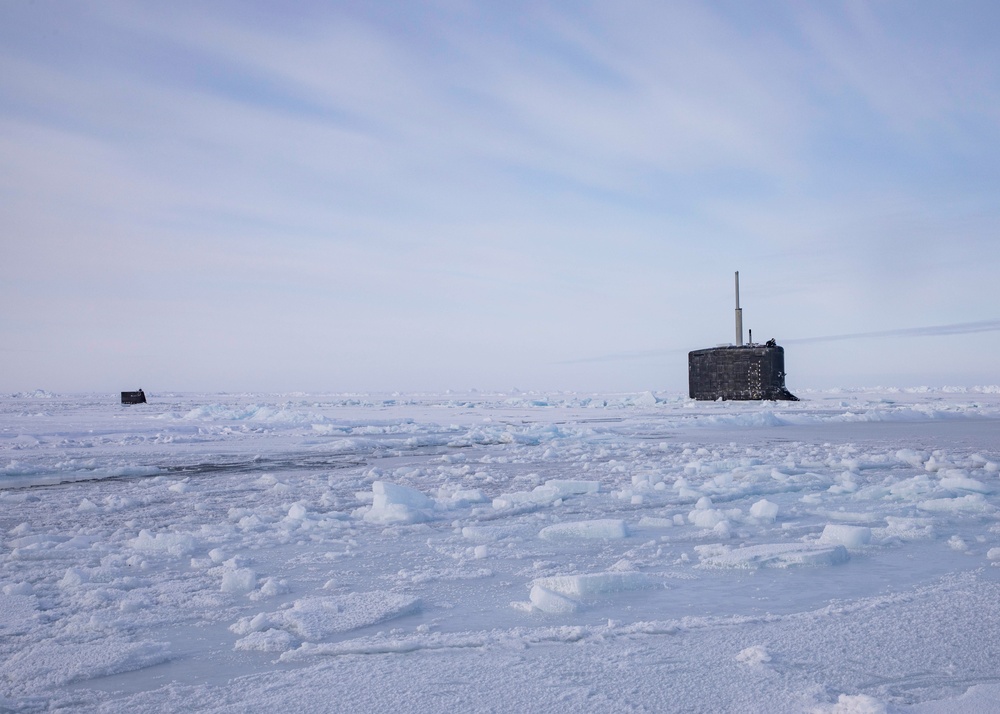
pixel 395 503
pixel 689 543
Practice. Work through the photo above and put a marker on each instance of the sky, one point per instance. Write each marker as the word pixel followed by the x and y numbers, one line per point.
pixel 421 196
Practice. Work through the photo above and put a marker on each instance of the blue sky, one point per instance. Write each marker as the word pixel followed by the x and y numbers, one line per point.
pixel 450 195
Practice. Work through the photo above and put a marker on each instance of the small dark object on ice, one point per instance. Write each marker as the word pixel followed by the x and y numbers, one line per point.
pixel 138 397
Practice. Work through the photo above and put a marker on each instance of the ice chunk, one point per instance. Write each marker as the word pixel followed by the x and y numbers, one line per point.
pixel 547 601
pixel 50 663
pixel 606 528
pixel 706 518
pixel 847 536
pixel 957 480
pixel 73 578
pixel 590 584
pixel 541 495
pixel 958 544
pixel 755 655
pixel 764 510
pixel 553 490
pixel 909 528
pixel 241 580
pixel 562 593
pixel 268 641
pixel 917 459
pixel 488 534
pixel 314 618
pixel 849 516
pixel 853 704
pixel 273 587
pixel 772 555
pixel 974 503
pixel 460 497
pixel 40 540
pixel 572 488
pixel 21 588
pixel 654 522
pixel 646 399
pixel 393 503
pixel 175 544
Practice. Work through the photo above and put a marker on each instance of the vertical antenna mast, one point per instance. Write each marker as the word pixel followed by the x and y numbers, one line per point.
pixel 739 313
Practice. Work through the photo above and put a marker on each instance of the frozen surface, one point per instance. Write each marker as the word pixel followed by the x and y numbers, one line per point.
pixel 517 552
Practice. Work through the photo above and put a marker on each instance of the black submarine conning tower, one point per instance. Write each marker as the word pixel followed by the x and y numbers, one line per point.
pixel 741 371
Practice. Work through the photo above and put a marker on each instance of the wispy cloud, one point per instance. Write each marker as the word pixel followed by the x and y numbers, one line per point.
pixel 960 328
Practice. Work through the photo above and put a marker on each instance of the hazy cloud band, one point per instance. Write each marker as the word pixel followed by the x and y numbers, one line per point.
pixel 958 328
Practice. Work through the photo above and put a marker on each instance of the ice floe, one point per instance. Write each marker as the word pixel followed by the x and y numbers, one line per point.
pixel 316 618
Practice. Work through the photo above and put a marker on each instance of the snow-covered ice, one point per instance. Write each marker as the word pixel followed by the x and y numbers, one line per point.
pixel 501 552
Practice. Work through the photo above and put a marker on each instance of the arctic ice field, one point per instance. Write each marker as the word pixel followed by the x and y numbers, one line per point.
pixel 501 553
